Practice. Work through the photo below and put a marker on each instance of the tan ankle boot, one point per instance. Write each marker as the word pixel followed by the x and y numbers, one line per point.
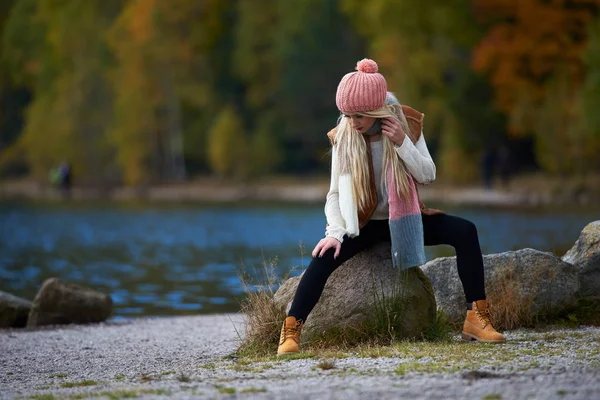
pixel 478 325
pixel 289 341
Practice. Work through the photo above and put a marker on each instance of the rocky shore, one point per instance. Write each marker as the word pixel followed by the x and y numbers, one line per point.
pixel 190 357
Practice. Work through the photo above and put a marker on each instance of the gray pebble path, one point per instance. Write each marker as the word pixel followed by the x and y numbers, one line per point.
pixel 189 358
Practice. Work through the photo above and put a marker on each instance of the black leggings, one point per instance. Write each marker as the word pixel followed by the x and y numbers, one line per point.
pixel 438 229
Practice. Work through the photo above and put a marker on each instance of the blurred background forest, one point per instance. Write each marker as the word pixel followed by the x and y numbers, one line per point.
pixel 137 92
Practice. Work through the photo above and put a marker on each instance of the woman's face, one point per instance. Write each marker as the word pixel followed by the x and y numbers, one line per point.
pixel 360 122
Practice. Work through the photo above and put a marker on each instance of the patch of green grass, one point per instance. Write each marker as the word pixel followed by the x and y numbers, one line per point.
pixel 371 351
pixel 146 378
pixel 121 394
pixel 78 384
pixel 43 397
pixel 253 390
pixel 183 378
pixel 561 392
pixel 119 377
pixel 168 373
pixel 587 312
pixel 225 390
pixel 440 330
pixel 210 365
pixel 61 375
pixel 298 356
pixel 493 396
pixel 257 369
pixel 81 396
pixel 426 368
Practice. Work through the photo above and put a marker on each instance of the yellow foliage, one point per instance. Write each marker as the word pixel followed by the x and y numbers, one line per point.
pixel 227 145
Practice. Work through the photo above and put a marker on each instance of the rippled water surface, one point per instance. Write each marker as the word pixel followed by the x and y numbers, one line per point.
pixel 186 259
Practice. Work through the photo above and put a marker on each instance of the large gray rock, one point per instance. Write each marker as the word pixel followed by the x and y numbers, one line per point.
pixel 585 256
pixel 60 302
pixel 360 287
pixel 13 311
pixel 520 285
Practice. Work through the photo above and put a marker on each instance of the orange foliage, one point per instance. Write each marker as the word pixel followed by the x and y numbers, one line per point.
pixel 140 19
pixel 528 41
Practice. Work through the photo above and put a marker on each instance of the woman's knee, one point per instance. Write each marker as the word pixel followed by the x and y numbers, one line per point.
pixel 460 231
pixel 468 228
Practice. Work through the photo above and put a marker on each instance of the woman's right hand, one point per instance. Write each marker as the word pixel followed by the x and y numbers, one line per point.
pixel 326 244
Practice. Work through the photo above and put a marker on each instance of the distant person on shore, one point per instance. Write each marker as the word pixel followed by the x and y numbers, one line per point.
pixel 488 166
pixel 504 166
pixel 378 156
pixel 61 178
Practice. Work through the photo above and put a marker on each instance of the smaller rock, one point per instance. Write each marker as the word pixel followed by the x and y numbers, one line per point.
pixel 13 311
pixel 60 302
pixel 585 256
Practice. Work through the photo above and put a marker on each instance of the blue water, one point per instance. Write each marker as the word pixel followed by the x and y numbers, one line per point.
pixel 188 259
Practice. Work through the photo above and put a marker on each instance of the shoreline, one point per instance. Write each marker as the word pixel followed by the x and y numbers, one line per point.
pixel 191 357
pixel 301 191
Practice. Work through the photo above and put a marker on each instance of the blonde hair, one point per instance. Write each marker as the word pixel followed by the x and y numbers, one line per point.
pixel 353 159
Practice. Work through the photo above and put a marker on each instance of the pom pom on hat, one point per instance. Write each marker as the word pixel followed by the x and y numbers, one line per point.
pixel 363 90
pixel 367 65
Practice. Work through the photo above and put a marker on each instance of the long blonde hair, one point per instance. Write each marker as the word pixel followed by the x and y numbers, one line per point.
pixel 353 158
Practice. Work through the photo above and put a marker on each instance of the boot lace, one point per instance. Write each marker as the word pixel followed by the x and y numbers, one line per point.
pixel 484 317
pixel 292 332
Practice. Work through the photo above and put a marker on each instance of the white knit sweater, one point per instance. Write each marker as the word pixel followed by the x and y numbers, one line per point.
pixel 342 219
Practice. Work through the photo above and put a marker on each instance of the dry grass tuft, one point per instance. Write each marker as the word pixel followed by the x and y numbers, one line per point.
pixel 263 317
pixel 326 364
pixel 511 306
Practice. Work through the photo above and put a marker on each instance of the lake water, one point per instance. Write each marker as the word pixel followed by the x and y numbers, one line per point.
pixel 186 259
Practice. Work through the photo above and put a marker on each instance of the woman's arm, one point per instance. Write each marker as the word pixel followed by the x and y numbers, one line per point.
pixel 416 156
pixel 335 223
pixel 417 159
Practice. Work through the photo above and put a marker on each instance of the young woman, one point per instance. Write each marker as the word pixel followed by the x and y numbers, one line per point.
pixel 378 156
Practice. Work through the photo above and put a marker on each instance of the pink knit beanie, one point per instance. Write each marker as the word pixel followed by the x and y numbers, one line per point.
pixel 363 90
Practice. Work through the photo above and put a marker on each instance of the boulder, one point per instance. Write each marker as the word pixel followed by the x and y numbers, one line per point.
pixel 13 311
pixel 585 256
pixel 361 288
pixel 60 302
pixel 520 286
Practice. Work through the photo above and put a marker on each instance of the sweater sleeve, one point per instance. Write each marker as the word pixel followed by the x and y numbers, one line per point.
pixel 417 159
pixel 335 223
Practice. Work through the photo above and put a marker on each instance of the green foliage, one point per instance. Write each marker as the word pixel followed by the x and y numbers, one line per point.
pixel 553 126
pixel 227 145
pixel 589 142
pixel 54 48
pixel 423 50
pixel 267 153
pixel 127 90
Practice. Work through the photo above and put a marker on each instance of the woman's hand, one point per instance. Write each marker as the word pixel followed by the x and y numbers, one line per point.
pixel 326 244
pixel 391 128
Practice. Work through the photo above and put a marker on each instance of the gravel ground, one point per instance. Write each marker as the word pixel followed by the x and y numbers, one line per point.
pixel 190 357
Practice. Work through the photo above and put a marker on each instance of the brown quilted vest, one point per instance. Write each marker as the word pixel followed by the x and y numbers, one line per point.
pixel 415 124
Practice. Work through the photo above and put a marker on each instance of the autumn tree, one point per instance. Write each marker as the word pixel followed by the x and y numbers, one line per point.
pixel 54 48
pixel 228 151
pixel 532 55
pixel 14 97
pixel 423 49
